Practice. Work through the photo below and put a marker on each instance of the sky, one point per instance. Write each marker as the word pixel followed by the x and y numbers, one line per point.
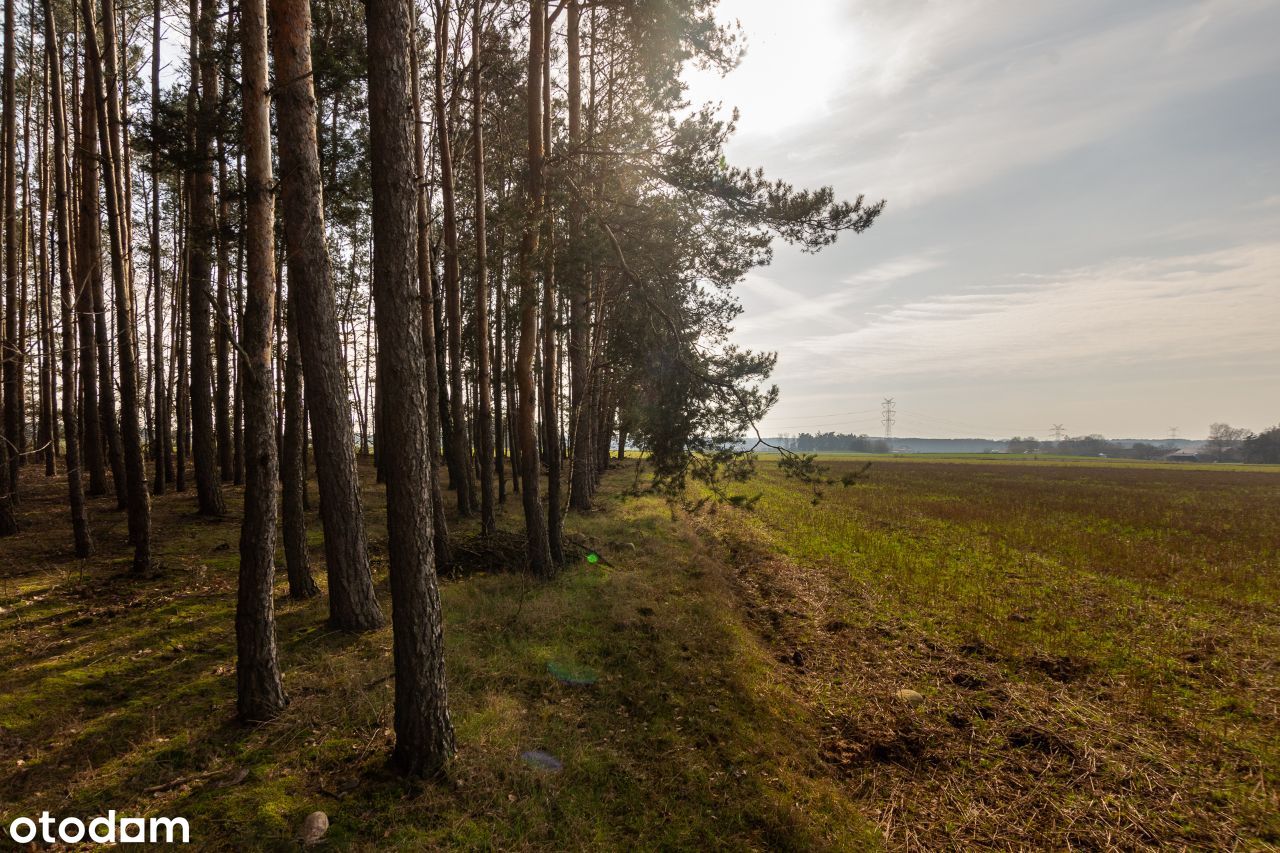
pixel 1083 219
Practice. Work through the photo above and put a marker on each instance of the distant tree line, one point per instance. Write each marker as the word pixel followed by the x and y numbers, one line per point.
pixel 1086 445
pixel 1236 444
pixel 1225 444
pixel 1263 447
pixel 835 442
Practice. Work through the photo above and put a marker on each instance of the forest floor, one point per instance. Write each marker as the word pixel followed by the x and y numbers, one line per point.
pixel 120 694
pixel 1004 655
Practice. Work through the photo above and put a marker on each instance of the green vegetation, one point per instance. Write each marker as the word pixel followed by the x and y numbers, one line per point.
pixel 1046 459
pixel 1093 645
pixel 120 694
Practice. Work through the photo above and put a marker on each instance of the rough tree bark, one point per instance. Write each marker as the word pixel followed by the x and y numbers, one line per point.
pixel 95 112
pixel 550 360
pixel 160 438
pixel 483 368
pixel 224 333
pixel 535 519
pixel 293 472
pixel 259 691
pixel 9 455
pixel 353 604
pixel 106 378
pixel 88 249
pixel 24 224
pixel 204 451
pixel 48 392
pixel 499 451
pixel 222 337
pixel 62 217
pixel 445 419
pixel 104 75
pixel 424 732
pixel 459 446
pixel 581 480
pixel 444 551
pixel 180 368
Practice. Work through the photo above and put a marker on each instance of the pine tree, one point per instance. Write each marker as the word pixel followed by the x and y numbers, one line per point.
pixel 259 691
pixel 62 216
pixel 424 732
pixel 534 518
pixel 352 602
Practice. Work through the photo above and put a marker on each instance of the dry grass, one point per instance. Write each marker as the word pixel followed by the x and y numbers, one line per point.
pixel 1095 648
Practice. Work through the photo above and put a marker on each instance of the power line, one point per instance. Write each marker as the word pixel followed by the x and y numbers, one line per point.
pixel 928 431
pixel 835 414
pixel 887 415
pixel 1058 432
pixel 831 420
pixel 813 421
pixel 965 424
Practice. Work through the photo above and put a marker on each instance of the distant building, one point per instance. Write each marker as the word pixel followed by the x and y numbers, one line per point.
pixel 1182 456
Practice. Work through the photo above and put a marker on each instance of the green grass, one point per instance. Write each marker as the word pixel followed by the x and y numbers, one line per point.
pixel 1043 459
pixel 119 694
pixel 1129 610
pixel 1094 642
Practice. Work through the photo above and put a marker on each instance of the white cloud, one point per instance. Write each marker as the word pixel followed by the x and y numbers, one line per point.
pixel 1221 305
pixel 1022 261
pixel 773 307
pixel 941 97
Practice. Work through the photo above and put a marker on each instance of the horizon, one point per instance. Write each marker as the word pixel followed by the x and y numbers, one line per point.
pixel 1081 219
pixel 1166 440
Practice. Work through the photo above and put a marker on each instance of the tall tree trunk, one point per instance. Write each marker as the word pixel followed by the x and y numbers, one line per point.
pixel 460 444
pixel 181 395
pixel 424 732
pixel 259 691
pixel 581 481
pixel 88 252
pixel 62 217
pixel 550 370
pixel 9 455
pixel 237 378
pixel 160 436
pixel 293 472
pixel 20 353
pixel 204 449
pixel 369 406
pixel 509 348
pixel 499 451
pixel 442 376
pixel 48 407
pixel 483 368
pixel 535 519
pixel 109 126
pixel 353 604
pixel 223 335
pixel 440 527
pixel 106 379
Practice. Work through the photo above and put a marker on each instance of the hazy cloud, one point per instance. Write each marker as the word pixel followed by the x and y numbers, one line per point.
pixel 1081 194
pixel 1216 306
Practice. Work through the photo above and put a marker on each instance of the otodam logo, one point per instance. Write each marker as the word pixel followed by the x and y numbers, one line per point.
pixel 100 830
